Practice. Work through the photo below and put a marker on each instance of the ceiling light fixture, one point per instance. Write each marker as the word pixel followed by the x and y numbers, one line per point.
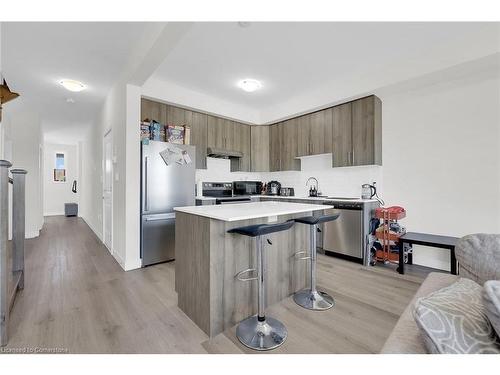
pixel 249 84
pixel 72 85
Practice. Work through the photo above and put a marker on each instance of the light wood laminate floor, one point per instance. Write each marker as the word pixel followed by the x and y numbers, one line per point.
pixel 78 298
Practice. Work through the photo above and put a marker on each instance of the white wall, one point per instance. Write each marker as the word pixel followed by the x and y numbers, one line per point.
pixel 56 194
pixel 23 134
pixel 441 156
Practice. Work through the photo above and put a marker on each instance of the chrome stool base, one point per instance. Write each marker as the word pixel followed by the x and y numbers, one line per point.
pixel 265 335
pixel 313 300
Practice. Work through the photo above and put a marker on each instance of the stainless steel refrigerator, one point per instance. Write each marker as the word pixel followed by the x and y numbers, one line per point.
pixel 165 184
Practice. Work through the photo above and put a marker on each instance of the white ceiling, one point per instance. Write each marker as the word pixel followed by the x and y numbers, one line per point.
pixel 295 60
pixel 301 65
pixel 35 56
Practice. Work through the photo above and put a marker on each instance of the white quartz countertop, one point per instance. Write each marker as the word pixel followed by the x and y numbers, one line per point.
pixel 246 211
pixel 319 199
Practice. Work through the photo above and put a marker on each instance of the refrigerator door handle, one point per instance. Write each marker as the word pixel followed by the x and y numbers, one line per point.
pixel 146 200
pixel 161 217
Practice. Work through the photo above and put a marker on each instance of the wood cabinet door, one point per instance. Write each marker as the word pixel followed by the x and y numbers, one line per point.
pixel 259 148
pixel 366 132
pixel 303 135
pixel 241 142
pixel 198 126
pixel 342 135
pixel 317 141
pixel 151 110
pixel 288 147
pixel 328 130
pixel 215 132
pixel 274 148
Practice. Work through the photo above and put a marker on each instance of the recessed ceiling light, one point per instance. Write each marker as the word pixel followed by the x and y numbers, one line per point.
pixel 72 85
pixel 249 84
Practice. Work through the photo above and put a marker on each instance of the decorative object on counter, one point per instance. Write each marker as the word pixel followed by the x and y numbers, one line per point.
pixel 273 188
pixel 314 188
pixel 311 298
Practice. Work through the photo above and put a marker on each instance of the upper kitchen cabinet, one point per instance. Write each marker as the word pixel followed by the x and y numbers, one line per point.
pixel 153 111
pixel 342 135
pixel 288 134
pixel 317 132
pixel 199 138
pixel 220 133
pixel 274 148
pixel 367 131
pixel 303 124
pixel 259 141
pixel 241 142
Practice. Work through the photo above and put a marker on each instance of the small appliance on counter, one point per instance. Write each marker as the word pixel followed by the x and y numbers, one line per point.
pixel 247 187
pixel 273 188
pixel 223 193
pixel 287 192
pixel 370 192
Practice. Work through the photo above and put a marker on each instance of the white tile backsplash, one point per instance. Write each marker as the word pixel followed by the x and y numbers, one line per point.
pixel 344 182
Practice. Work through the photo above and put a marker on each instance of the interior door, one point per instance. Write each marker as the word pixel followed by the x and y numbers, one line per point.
pixel 107 191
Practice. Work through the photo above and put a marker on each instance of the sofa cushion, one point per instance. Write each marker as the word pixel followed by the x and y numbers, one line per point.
pixel 453 321
pixel 405 338
pixel 479 257
pixel 491 299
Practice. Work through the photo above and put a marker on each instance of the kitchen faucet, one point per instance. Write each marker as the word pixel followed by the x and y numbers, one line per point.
pixel 313 189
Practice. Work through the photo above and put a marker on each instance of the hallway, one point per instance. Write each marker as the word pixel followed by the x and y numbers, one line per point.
pixel 77 299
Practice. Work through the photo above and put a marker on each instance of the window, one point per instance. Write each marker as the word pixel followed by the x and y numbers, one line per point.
pixel 60 169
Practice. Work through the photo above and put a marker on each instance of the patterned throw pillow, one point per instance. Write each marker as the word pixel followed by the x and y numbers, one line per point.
pixel 453 320
pixel 491 299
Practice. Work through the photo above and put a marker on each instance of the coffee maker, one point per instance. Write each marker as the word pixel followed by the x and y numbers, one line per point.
pixel 273 188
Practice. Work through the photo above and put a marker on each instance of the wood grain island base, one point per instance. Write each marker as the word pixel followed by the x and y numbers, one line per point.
pixel 208 259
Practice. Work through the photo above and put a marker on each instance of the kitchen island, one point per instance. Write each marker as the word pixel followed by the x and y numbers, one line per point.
pixel 207 259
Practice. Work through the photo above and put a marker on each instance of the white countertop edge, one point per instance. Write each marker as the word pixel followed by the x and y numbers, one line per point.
pixel 234 212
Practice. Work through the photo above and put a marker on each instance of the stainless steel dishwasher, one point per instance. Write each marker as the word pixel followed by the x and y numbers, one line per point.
pixel 347 237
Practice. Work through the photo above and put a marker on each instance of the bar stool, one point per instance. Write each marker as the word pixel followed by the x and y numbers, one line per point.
pixel 311 298
pixel 260 332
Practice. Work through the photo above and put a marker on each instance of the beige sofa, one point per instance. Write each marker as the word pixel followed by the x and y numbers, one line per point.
pixel 479 259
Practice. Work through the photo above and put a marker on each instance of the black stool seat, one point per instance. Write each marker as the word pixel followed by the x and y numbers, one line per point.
pixel 261 229
pixel 312 220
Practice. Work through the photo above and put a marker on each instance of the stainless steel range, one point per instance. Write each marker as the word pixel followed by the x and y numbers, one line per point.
pixel 223 193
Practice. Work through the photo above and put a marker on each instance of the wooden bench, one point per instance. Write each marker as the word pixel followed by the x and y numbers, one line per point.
pixel 431 240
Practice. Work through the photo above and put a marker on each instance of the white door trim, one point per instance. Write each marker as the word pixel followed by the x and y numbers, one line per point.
pixel 107 136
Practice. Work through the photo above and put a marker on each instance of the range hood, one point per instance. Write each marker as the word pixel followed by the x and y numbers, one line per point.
pixel 222 153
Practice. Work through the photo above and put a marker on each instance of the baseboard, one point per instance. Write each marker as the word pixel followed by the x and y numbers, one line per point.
pixel 133 265
pixel 119 259
pixel 91 226
pixel 54 213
